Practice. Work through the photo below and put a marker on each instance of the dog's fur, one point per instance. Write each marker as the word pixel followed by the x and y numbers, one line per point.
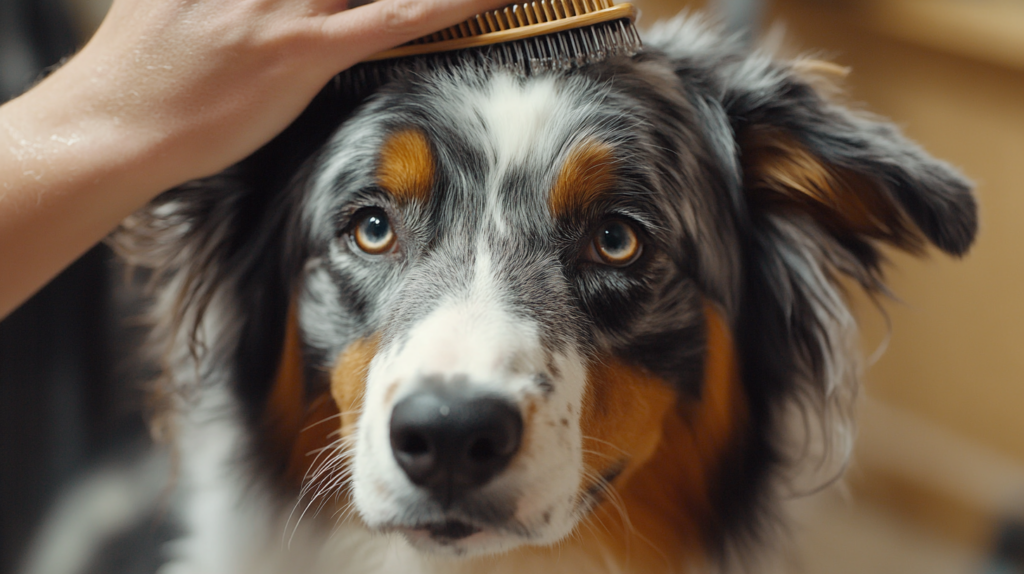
pixel 654 395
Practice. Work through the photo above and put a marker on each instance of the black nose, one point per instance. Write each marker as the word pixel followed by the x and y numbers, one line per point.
pixel 450 444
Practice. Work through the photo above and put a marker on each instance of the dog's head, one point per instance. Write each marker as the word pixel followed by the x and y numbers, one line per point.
pixel 506 301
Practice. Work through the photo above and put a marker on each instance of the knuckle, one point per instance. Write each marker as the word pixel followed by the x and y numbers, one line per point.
pixel 406 17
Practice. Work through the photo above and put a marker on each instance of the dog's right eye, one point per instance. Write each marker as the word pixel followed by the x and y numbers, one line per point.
pixel 372 232
pixel 616 244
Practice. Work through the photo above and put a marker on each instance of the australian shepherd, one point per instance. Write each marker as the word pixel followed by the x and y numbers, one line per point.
pixel 479 322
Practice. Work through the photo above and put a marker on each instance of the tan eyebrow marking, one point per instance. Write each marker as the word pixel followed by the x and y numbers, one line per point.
pixel 587 174
pixel 406 168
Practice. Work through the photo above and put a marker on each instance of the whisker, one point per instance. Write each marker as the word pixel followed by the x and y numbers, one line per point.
pixel 614 497
pixel 332 417
pixel 616 447
pixel 596 453
pixel 337 443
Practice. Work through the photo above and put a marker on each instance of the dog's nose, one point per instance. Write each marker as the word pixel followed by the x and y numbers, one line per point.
pixel 450 444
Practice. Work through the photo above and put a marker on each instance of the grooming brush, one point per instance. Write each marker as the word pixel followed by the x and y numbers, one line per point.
pixel 524 38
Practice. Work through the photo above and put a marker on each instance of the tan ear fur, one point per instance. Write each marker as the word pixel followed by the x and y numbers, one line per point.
pixel 781 174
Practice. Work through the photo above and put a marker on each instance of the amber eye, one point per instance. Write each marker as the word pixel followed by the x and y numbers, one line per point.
pixel 616 244
pixel 373 233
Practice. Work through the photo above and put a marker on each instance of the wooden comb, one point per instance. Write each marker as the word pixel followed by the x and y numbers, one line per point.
pixel 525 38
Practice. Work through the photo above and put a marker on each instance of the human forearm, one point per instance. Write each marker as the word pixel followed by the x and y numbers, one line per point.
pixel 67 176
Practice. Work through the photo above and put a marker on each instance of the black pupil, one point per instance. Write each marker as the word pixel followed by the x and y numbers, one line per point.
pixel 375 228
pixel 615 238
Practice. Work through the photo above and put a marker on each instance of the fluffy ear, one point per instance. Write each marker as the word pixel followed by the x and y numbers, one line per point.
pixel 854 175
pixel 817 189
pixel 223 267
pixel 822 188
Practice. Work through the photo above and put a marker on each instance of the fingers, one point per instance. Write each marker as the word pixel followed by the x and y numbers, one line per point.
pixel 371 28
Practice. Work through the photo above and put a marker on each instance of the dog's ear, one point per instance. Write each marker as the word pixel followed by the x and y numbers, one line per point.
pixel 818 189
pixel 822 187
pixel 854 175
pixel 222 262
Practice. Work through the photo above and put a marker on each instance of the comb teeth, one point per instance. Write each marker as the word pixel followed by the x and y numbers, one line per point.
pixel 565 50
pixel 516 22
pixel 524 38
pixel 516 16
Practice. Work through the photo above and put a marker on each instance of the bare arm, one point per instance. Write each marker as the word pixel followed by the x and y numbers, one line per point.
pixel 167 91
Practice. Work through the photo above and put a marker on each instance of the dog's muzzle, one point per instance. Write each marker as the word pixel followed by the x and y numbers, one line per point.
pixel 451 444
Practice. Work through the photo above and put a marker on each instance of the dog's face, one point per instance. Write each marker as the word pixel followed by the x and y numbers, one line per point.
pixel 506 302
pixel 500 264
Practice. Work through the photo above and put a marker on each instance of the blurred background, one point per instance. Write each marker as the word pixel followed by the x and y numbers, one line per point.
pixel 937 484
pixel 70 395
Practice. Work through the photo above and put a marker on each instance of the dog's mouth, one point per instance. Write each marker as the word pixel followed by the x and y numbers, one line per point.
pixel 457 534
pixel 449 535
pixel 449 530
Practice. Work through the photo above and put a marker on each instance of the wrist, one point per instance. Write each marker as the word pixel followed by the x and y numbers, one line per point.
pixel 79 127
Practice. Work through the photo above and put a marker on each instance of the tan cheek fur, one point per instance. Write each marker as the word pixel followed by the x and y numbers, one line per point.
pixel 285 405
pixel 674 448
pixel 297 432
pixel 621 419
pixel 332 416
pixel 348 381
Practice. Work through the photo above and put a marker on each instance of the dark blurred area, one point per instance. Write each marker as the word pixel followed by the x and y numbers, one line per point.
pixel 68 393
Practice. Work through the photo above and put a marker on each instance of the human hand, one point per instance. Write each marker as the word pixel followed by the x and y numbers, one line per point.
pixel 206 82
pixel 167 91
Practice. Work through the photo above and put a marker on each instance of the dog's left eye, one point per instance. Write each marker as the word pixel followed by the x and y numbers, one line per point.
pixel 372 232
pixel 616 243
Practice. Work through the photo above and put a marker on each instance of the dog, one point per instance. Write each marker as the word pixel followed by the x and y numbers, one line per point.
pixel 487 323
